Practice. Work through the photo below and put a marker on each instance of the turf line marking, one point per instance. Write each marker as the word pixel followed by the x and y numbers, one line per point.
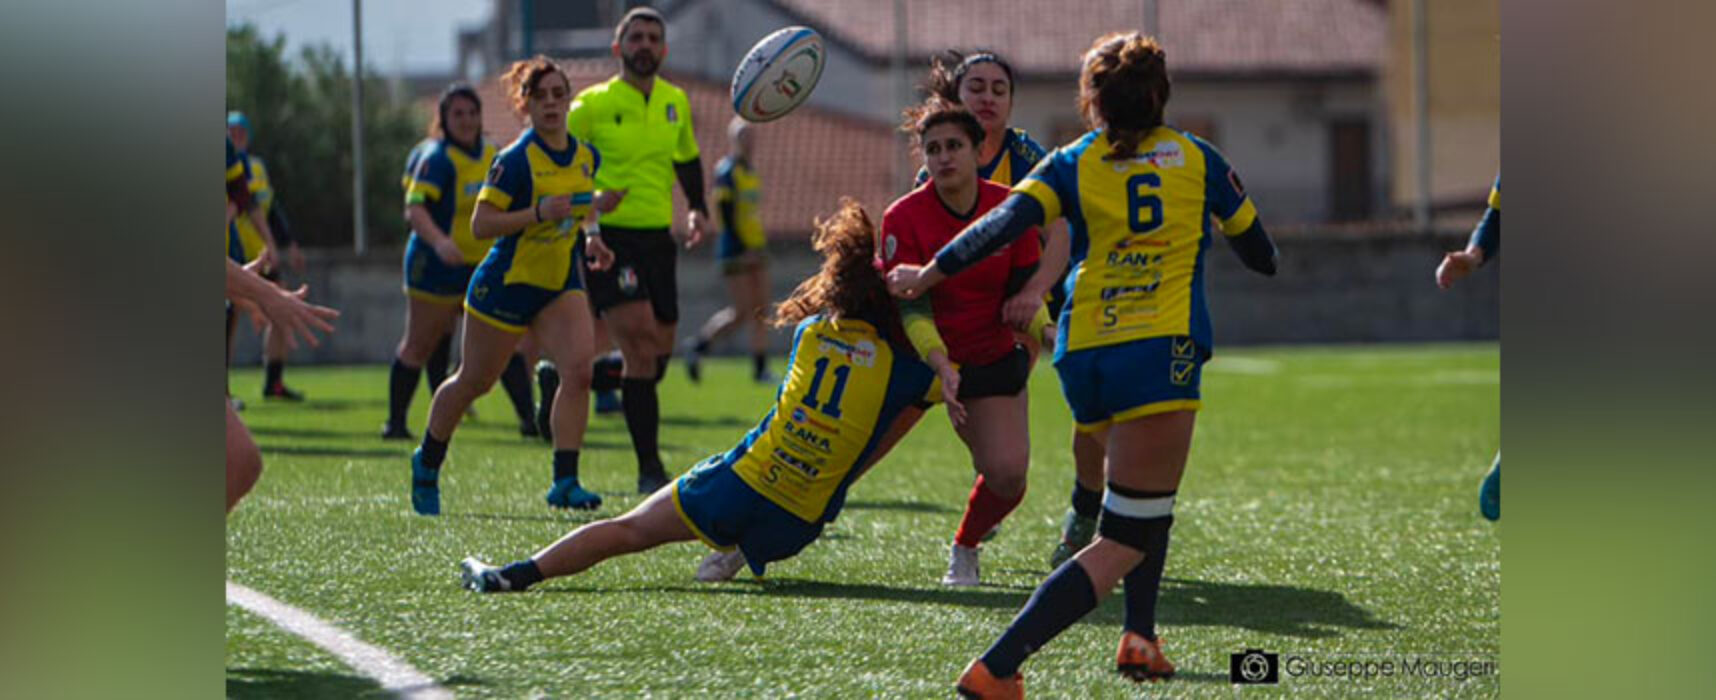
pixel 369 660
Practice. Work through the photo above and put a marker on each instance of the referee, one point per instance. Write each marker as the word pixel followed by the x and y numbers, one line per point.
pixel 641 126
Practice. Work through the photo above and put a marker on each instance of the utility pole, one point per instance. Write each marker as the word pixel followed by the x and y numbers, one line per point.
pixel 1421 105
pixel 360 242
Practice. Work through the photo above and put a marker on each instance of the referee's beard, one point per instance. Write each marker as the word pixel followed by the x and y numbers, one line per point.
pixel 642 64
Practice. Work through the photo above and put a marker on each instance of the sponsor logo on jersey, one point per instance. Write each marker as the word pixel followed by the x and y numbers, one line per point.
pixel 1164 154
pixel 1112 293
pixel 802 417
pixel 1118 258
pixel 890 244
pixel 473 188
pixel 802 466
pixel 861 353
pixel 672 114
pixel 810 437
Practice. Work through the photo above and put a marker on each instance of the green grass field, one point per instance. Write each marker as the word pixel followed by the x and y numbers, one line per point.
pixel 1329 510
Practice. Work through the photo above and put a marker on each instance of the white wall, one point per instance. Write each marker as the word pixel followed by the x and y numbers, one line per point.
pixel 1276 134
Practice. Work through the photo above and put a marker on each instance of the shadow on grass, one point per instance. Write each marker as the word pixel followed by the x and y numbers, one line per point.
pixel 900 506
pixel 399 451
pixel 1284 610
pixel 316 404
pixel 568 517
pixel 707 422
pixel 316 433
pixel 275 683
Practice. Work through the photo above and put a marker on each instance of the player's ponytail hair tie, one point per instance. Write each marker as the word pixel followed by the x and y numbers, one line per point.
pixel 1124 88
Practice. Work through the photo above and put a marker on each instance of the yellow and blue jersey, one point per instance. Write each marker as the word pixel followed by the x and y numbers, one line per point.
pixel 642 137
pixel 846 384
pixel 1139 228
pixel 446 182
pixel 262 193
pixel 738 197
pixel 1018 155
pixel 411 160
pixel 523 175
pixel 234 174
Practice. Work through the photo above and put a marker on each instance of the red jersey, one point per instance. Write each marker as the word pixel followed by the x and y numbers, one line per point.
pixel 968 306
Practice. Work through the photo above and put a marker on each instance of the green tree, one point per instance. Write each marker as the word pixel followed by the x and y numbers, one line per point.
pixel 300 115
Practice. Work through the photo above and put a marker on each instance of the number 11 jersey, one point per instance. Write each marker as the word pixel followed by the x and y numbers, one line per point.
pixel 845 386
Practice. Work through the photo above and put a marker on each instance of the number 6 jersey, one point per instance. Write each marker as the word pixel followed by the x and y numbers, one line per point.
pixel 845 386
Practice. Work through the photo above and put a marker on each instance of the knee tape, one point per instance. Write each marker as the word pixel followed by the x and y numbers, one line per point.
pixel 1129 517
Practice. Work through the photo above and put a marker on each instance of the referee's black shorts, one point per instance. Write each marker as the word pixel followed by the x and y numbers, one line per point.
pixel 643 270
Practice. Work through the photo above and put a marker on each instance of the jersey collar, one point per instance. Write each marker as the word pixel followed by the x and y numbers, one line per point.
pixel 560 158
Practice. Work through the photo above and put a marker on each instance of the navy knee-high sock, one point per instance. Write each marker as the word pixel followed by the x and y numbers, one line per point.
pixel 401 387
pixel 1064 597
pixel 1144 581
pixel 516 380
pixel 436 367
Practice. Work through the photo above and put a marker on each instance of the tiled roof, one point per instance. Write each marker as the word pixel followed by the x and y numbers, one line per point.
pixel 1046 37
pixel 806 160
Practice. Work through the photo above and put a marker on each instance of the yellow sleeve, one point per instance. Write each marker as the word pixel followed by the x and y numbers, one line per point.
pixel 495 196
pixel 1044 194
pixel 920 328
pixel 1241 220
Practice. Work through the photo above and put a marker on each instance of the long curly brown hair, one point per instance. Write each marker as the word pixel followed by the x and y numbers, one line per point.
pixel 521 78
pixel 848 283
pixel 1124 88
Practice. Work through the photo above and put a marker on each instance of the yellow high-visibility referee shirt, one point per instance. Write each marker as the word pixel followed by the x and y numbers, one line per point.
pixel 640 140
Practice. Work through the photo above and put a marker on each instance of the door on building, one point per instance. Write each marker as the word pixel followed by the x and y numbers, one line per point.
pixel 1349 164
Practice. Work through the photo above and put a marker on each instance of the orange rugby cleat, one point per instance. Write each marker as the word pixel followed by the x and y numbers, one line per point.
pixel 1141 659
pixel 977 683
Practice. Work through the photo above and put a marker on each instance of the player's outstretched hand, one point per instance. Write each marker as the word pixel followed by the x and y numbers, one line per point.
pixel 1019 309
pixel 288 312
pixel 600 256
pixel 1456 265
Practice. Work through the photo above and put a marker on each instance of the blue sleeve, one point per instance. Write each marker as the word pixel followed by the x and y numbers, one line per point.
pixel 509 183
pixel 1001 226
pixel 1487 236
pixel 434 168
pixel 1222 187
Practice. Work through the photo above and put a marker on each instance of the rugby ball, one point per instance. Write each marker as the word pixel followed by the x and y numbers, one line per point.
pixel 778 74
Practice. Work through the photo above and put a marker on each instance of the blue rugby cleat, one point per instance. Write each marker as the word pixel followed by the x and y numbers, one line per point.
pixel 1489 495
pixel 607 402
pixel 567 493
pixel 425 486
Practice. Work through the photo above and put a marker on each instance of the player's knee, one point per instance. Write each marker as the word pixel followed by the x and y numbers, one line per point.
pixel 1007 480
pixel 1134 518
pixel 578 376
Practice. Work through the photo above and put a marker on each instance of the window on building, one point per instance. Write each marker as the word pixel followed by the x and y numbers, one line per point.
pixel 1349 169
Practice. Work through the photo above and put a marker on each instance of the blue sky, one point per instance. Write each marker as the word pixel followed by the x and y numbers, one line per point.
pixel 400 36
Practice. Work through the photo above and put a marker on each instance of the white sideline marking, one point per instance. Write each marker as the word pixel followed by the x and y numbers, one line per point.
pixel 393 674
